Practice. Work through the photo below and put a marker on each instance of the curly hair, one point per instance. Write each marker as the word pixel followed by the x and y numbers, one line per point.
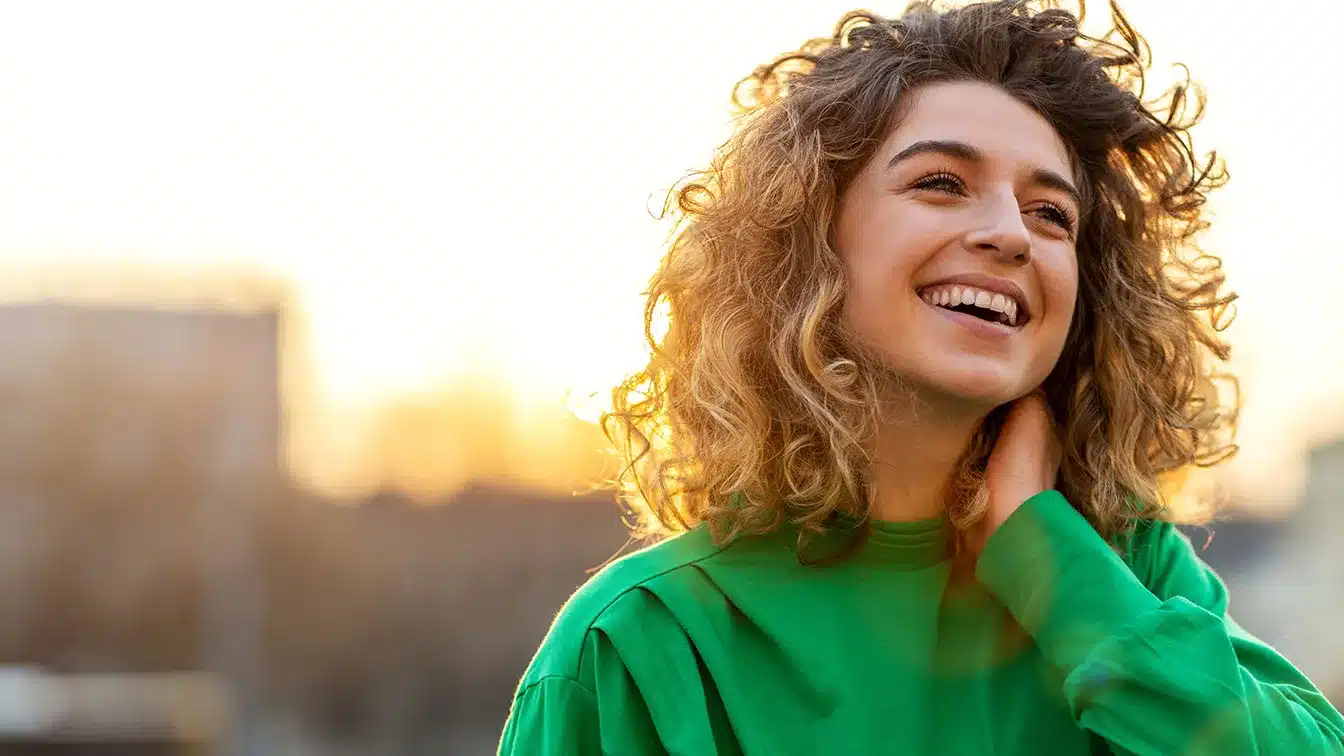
pixel 757 406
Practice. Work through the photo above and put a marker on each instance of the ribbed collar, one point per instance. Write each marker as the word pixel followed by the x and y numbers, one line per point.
pixel 899 545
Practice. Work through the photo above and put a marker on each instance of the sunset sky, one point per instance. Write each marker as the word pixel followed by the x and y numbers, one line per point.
pixel 457 192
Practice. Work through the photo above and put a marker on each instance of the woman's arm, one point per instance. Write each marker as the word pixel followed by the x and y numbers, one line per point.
pixel 599 709
pixel 555 716
pixel 1152 661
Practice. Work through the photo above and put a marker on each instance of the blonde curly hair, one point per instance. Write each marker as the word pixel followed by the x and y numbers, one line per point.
pixel 757 406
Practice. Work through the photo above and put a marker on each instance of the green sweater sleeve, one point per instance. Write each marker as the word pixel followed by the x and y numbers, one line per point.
pixel 598 710
pixel 1151 660
pixel 555 716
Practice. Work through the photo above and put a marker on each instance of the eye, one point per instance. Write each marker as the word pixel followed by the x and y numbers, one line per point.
pixel 942 182
pixel 1056 215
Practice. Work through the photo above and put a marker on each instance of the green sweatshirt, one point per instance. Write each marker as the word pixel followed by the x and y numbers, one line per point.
pixel 1056 645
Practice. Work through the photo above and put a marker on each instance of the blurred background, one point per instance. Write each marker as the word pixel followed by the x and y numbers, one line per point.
pixel 307 309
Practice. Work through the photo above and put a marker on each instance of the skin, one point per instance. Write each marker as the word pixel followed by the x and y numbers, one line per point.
pixel 902 226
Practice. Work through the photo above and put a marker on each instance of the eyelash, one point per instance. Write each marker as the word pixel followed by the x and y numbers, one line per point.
pixel 1063 218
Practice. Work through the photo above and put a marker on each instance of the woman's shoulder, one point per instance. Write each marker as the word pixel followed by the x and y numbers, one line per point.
pixel 614 597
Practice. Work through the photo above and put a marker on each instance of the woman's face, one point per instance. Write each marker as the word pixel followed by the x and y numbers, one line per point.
pixel 970 198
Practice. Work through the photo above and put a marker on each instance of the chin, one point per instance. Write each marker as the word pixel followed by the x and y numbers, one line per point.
pixel 978 390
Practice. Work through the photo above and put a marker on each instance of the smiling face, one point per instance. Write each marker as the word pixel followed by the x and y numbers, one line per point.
pixel 970 197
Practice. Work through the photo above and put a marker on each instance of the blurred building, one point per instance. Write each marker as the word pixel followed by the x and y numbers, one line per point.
pixel 138 383
pixel 136 448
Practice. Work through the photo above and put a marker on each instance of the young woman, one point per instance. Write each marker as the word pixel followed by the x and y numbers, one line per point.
pixel 941 345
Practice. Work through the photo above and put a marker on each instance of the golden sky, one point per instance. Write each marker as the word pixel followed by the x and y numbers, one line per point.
pixel 459 191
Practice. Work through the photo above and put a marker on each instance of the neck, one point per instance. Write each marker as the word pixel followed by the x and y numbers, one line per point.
pixel 915 456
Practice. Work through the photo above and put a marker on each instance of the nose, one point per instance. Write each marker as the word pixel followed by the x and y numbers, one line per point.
pixel 1001 232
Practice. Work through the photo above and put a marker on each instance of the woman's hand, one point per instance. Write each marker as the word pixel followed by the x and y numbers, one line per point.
pixel 1024 462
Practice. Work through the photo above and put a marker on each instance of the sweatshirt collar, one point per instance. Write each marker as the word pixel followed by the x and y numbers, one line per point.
pixel 898 545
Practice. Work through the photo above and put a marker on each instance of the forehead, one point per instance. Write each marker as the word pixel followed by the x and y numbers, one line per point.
pixel 1006 129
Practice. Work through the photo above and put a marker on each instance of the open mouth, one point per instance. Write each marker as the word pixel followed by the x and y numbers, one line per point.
pixel 990 307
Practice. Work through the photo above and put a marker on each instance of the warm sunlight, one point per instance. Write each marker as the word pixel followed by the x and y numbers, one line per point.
pixel 461 194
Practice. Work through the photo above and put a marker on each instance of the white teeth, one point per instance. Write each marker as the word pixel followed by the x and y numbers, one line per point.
pixel 944 296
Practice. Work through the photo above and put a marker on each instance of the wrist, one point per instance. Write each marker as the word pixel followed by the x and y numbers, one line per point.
pixel 1010 501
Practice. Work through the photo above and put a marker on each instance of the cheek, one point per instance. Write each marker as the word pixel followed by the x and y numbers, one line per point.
pixel 1061 291
pixel 870 272
pixel 862 300
pixel 1060 280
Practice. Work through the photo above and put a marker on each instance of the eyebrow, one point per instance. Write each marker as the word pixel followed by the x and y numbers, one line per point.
pixel 971 154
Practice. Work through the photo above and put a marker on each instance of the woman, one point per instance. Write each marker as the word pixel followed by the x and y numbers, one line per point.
pixel 941 345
